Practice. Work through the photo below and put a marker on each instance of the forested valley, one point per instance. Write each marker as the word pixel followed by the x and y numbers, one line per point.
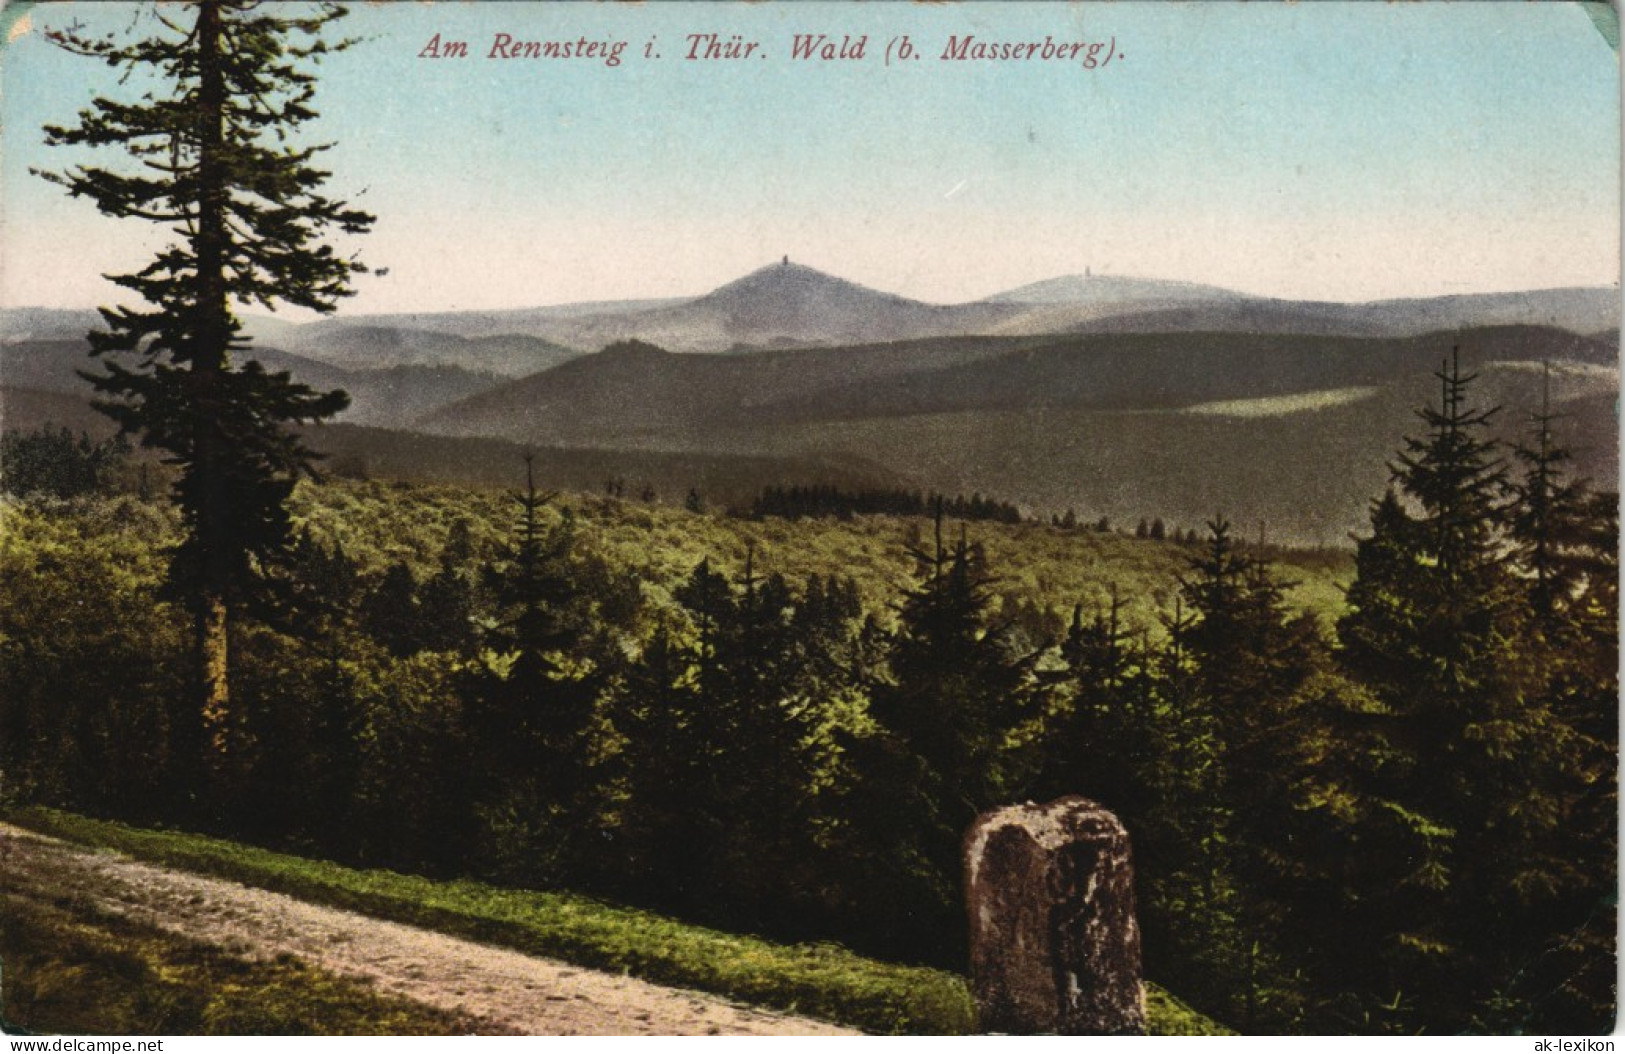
pixel 1390 810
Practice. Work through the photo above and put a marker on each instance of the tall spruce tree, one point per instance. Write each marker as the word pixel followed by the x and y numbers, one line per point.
pixel 1548 515
pixel 1092 744
pixel 214 156
pixel 1253 668
pixel 449 599
pixel 533 705
pixel 668 825
pixel 1471 765
pixel 767 770
pixel 956 688
pixel 1565 547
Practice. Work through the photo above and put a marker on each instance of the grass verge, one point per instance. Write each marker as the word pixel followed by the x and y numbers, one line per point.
pixel 72 968
pixel 818 980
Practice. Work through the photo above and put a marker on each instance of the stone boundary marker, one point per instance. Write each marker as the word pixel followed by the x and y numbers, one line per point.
pixel 1055 947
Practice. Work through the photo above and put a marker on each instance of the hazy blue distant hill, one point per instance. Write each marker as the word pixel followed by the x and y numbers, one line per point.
pixel 1116 290
pixel 28 409
pixel 1295 430
pixel 1580 310
pixel 788 305
pixel 49 323
pixel 493 323
pixel 358 451
pixel 19 324
pixel 783 304
pixel 1306 465
pixel 638 394
pixel 355 346
pixel 789 300
pixel 1116 396
pixel 395 396
pixel 362 343
pixel 1577 310
pixel 45 364
pixel 391 396
pixel 634 392
pixel 1153 371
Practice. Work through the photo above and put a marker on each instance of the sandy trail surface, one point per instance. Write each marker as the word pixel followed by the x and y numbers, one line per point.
pixel 504 992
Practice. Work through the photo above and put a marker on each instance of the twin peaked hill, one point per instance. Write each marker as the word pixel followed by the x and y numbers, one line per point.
pixel 788 305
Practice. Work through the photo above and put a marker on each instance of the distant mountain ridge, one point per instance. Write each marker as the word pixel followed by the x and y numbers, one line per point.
pixel 788 305
pixel 378 396
pixel 1579 310
pixel 637 394
pixel 778 306
pixel 1296 430
pixel 1120 396
pixel 791 305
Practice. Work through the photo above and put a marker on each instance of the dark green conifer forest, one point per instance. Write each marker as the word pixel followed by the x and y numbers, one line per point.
pixel 1400 822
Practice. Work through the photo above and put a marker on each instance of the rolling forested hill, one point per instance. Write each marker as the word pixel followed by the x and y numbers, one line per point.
pixel 1105 395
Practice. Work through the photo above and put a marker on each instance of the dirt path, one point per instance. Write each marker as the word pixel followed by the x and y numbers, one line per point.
pixel 506 992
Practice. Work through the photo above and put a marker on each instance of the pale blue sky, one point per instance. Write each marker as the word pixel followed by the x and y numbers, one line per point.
pixel 1342 151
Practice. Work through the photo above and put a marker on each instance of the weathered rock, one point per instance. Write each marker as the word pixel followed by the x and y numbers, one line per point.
pixel 1055 947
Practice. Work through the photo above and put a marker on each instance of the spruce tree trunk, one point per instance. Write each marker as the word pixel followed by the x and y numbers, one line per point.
pixel 208 360
pixel 214 687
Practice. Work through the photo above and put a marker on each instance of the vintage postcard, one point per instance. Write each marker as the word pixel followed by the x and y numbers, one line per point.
pixel 809 518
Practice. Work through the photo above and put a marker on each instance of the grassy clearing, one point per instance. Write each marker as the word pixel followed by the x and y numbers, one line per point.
pixel 71 968
pixel 1277 405
pixel 820 980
